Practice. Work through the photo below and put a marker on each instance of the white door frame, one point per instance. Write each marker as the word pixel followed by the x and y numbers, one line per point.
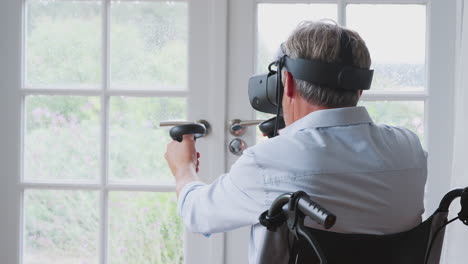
pixel 10 107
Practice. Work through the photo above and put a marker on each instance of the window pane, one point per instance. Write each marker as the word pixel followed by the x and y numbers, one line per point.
pixel 149 45
pixel 407 114
pixel 62 138
pixel 60 227
pixel 275 22
pixel 397 46
pixel 137 144
pixel 144 228
pixel 63 43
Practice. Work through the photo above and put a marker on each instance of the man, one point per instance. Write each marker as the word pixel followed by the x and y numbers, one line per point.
pixel 371 176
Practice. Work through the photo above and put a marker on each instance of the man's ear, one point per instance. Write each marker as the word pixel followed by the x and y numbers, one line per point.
pixel 289 84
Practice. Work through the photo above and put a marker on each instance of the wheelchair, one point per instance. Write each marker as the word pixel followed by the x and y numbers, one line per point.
pixel 420 245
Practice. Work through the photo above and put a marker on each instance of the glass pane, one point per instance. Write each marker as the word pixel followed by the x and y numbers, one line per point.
pixel 63 47
pixel 137 144
pixel 407 114
pixel 60 227
pixel 149 45
pixel 144 228
pixel 272 31
pixel 62 138
pixel 397 46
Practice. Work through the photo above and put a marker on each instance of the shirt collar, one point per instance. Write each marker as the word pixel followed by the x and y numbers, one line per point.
pixel 329 118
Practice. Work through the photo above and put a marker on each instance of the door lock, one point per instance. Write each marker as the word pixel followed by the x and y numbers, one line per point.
pixel 237 146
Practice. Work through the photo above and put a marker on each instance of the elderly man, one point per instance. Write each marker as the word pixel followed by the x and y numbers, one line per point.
pixel 371 176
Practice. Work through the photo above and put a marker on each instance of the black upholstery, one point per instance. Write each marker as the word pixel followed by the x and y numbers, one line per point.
pixel 403 248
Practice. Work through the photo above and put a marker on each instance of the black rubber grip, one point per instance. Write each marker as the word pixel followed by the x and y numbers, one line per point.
pixel 316 212
pixel 267 127
pixel 197 130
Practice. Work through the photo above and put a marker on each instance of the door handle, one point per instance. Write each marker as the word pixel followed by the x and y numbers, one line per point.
pixel 198 129
pixel 238 127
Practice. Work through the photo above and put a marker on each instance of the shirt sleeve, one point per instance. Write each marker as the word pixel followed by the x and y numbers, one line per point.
pixel 234 200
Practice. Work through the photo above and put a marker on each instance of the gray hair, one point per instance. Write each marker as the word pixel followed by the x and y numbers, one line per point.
pixel 321 41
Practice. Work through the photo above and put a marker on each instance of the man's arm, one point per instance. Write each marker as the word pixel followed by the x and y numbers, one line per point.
pixel 182 159
pixel 234 200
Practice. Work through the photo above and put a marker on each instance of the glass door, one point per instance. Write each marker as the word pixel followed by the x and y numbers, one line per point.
pixel 88 182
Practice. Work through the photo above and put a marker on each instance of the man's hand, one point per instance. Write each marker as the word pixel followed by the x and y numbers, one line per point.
pixel 182 159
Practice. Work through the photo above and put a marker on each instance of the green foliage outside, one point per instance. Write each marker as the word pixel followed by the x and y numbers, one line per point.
pixel 149 49
pixel 63 43
pixel 62 138
pixel 144 228
pixel 63 227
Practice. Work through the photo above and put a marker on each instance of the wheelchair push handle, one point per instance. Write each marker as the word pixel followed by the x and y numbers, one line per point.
pixel 198 129
pixel 298 201
pixel 316 212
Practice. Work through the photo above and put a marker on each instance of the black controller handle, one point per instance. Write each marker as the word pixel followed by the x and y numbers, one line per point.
pixel 267 127
pixel 196 129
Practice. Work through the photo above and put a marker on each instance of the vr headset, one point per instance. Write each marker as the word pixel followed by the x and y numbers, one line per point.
pixel 266 90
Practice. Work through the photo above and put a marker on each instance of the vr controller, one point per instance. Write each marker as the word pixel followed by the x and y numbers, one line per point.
pixel 198 129
pixel 268 128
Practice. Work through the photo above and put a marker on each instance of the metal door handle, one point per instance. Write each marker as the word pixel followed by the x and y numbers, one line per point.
pixel 178 123
pixel 238 127
pixel 174 123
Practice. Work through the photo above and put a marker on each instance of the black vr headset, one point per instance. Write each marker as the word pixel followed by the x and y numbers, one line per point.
pixel 266 90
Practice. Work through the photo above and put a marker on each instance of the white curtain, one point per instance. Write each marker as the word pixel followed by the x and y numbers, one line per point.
pixel 456 243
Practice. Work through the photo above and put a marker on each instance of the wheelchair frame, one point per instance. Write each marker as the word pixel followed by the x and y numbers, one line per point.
pixel 300 205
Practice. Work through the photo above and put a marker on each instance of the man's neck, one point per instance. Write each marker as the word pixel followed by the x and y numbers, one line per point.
pixel 304 108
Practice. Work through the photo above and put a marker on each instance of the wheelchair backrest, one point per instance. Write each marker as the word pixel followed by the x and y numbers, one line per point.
pixel 409 247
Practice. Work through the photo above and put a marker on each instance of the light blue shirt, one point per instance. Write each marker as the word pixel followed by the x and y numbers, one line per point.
pixel 371 176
